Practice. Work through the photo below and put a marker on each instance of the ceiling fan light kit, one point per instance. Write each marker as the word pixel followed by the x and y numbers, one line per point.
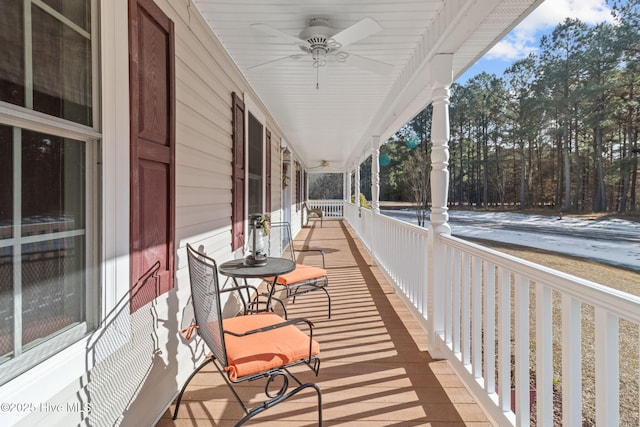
pixel 322 43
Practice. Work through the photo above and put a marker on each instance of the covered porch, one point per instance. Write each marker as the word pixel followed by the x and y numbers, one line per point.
pixel 427 328
pixel 452 332
pixel 376 369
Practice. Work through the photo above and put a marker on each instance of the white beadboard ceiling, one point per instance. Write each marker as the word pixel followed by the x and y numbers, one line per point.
pixel 337 121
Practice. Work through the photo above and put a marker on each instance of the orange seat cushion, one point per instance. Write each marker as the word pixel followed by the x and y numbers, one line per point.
pixel 262 351
pixel 300 274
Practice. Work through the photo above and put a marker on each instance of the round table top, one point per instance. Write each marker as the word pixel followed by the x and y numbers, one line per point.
pixel 273 267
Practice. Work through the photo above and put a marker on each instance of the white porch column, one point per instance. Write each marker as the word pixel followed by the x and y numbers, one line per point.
pixel 375 174
pixel 346 185
pixel 357 189
pixel 442 74
pixel 375 192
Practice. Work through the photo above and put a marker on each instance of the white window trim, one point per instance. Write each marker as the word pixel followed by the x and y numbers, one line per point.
pixel 28 386
pixel 116 149
pixel 45 380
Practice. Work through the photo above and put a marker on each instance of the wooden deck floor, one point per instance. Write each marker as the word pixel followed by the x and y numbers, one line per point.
pixel 375 369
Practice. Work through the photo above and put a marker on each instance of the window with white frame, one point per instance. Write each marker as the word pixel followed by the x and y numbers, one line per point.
pixel 48 178
pixel 251 165
pixel 255 149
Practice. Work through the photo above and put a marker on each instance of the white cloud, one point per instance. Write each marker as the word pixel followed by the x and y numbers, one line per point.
pixel 552 12
pixel 524 38
pixel 514 46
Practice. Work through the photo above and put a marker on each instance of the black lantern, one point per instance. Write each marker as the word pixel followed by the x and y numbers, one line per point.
pixel 256 255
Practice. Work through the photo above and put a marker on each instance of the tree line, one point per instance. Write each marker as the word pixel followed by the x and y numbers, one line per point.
pixel 558 129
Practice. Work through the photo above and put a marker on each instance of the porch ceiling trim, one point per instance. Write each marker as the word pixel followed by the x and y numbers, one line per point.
pixel 337 122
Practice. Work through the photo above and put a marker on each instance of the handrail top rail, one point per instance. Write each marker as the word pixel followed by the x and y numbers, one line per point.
pixel 621 303
pixel 406 225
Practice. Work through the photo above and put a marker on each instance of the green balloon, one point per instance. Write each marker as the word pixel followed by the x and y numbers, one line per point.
pixel 412 141
pixel 384 160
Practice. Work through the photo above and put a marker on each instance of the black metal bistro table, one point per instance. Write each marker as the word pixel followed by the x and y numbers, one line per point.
pixel 274 267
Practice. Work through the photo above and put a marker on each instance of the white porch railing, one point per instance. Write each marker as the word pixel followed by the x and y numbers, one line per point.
pixel 352 213
pixel 400 250
pixel 509 319
pixel 509 322
pixel 360 220
pixel 330 208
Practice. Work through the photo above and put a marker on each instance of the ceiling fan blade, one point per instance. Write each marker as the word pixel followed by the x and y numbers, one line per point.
pixel 268 29
pixel 358 31
pixel 279 60
pixel 368 64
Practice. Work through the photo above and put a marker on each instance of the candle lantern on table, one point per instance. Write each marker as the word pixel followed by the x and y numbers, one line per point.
pixel 256 255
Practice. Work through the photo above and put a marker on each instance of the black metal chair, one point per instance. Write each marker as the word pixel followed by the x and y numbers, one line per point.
pixel 305 278
pixel 248 347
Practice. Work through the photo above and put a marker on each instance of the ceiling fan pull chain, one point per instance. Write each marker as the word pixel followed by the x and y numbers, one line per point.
pixel 317 78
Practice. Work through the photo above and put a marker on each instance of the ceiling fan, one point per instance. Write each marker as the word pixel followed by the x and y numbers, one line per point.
pixel 323 44
pixel 323 164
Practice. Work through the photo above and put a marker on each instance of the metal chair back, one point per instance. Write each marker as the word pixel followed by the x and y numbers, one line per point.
pixel 205 295
pixel 280 242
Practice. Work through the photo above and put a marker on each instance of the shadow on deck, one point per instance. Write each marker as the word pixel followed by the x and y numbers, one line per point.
pixel 375 369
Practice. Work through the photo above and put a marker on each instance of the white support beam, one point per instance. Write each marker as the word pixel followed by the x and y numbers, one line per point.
pixel 347 186
pixel 375 191
pixel 375 174
pixel 442 74
pixel 357 187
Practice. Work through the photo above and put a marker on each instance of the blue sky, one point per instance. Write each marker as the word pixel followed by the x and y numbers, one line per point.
pixel 526 36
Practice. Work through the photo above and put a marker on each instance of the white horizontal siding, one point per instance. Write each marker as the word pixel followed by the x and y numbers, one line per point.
pixel 148 364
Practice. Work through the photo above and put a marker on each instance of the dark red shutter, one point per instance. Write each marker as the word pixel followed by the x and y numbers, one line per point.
pixel 237 199
pixel 152 168
pixel 267 172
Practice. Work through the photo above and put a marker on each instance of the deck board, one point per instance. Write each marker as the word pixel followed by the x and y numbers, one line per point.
pixel 375 368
